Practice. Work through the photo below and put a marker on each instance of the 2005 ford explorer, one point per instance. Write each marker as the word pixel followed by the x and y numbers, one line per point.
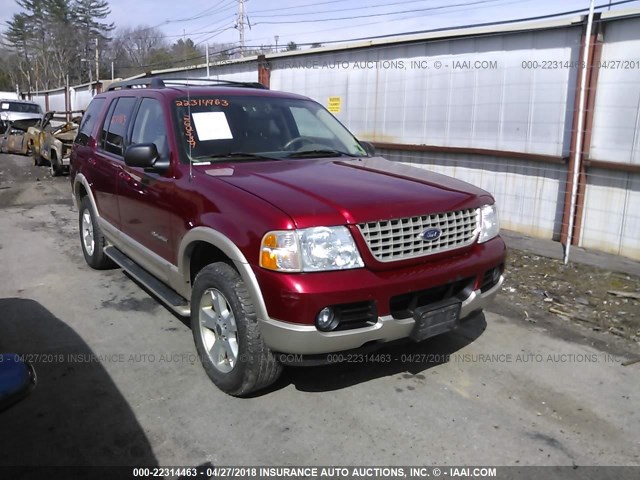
pixel 262 217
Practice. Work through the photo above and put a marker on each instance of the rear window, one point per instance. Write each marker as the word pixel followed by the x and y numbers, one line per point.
pixel 20 107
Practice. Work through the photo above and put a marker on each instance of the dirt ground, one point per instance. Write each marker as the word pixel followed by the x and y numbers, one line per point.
pixel 538 288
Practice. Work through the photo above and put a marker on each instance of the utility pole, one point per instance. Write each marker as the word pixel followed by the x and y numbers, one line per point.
pixel 240 25
pixel 581 118
pixel 97 62
pixel 206 52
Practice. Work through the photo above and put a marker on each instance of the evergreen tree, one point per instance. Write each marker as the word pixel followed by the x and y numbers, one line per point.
pixel 52 38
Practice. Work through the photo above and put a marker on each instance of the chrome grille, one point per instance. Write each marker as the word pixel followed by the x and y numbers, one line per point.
pixel 399 239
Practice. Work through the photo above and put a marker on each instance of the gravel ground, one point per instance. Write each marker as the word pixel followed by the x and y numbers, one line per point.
pixel 601 300
pixel 580 303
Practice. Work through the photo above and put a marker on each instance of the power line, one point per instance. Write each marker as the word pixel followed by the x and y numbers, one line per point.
pixel 231 4
pixel 355 8
pixel 299 6
pixel 200 42
pixel 202 14
pixel 477 2
pixel 484 24
pixel 506 2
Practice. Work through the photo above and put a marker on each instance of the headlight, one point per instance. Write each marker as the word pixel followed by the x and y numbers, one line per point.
pixel 310 250
pixel 489 224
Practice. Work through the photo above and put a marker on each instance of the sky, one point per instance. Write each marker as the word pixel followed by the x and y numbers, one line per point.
pixel 319 21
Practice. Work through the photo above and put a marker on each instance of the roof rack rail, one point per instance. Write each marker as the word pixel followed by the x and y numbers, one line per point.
pixel 156 82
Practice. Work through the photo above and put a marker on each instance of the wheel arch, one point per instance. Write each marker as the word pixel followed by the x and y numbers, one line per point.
pixel 203 245
pixel 82 189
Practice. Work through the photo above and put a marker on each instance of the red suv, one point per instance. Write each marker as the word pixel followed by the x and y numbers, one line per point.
pixel 262 217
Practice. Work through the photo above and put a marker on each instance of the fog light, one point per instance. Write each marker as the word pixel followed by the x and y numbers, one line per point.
pixel 326 320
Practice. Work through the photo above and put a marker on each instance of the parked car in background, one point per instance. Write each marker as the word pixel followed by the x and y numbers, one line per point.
pixel 14 139
pixel 12 110
pixel 34 132
pixel 51 139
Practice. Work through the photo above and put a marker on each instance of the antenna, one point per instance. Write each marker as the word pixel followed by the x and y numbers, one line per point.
pixel 184 51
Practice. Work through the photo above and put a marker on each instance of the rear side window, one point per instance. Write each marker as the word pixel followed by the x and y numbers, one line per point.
pixel 115 125
pixel 89 121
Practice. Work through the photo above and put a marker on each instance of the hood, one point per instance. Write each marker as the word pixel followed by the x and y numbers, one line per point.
pixel 337 191
pixel 11 116
pixel 23 125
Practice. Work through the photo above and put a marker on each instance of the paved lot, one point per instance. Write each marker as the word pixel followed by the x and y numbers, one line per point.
pixel 119 384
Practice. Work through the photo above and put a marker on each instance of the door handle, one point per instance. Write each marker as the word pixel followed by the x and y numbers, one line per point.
pixel 127 177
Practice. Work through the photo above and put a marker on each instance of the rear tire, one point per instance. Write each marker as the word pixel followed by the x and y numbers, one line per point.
pixel 227 335
pixel 91 238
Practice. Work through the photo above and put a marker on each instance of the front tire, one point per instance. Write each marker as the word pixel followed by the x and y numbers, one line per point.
pixel 227 335
pixel 54 166
pixel 91 238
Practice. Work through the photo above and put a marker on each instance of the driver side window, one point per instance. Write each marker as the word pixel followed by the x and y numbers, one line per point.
pixel 149 126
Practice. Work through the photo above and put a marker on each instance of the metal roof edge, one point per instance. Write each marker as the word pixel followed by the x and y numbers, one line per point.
pixel 627 12
pixel 437 35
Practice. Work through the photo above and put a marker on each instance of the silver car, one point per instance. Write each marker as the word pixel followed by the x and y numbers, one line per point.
pixel 12 110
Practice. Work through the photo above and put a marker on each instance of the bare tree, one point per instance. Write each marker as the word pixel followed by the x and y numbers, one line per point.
pixel 139 49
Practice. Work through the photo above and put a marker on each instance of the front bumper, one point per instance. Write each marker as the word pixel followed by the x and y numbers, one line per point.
pixel 292 338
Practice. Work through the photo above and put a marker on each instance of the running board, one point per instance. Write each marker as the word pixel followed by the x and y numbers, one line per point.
pixel 167 296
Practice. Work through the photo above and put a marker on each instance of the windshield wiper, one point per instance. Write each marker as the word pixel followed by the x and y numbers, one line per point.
pixel 325 152
pixel 235 156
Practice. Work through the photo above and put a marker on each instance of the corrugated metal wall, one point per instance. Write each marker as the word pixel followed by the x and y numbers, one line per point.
pixel 232 71
pixel 79 98
pixel 612 199
pixel 530 198
pixel 469 92
pixel 494 100
pixel 616 123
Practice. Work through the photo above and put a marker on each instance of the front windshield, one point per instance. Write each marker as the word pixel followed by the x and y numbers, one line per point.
pixel 231 126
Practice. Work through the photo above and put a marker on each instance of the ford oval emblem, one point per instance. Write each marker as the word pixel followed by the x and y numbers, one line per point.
pixel 430 234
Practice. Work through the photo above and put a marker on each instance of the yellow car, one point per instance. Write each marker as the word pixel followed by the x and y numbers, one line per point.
pixel 52 144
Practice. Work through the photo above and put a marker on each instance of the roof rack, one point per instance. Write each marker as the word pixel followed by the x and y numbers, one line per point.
pixel 156 82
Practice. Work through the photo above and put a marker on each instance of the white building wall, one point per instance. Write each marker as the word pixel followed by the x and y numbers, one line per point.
pixel 611 220
pixel 616 121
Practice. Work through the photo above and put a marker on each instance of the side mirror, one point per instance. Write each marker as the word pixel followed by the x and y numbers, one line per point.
pixel 145 155
pixel 369 148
